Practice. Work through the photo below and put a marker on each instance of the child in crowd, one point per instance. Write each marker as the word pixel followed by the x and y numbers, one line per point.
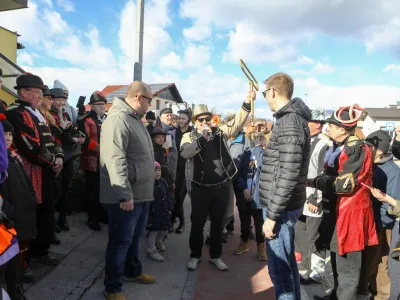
pixel 159 220
pixel 19 205
pixel 246 184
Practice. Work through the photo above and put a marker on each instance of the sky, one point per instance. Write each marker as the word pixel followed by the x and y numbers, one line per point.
pixel 339 52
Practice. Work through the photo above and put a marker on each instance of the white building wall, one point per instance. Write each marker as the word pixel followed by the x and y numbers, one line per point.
pixel 370 125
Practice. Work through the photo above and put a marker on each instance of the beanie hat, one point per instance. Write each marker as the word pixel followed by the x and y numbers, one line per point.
pixel 380 140
pixel 59 85
pixel 7 126
pixel 150 115
pixel 157 165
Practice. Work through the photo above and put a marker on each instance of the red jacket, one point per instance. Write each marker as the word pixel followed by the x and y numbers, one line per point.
pixel 355 223
pixel 90 125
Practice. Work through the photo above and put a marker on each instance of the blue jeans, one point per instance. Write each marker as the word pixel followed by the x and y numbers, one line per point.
pixel 282 264
pixel 122 254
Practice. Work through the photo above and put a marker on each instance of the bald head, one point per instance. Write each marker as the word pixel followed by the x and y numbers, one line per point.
pixel 139 96
pixel 137 87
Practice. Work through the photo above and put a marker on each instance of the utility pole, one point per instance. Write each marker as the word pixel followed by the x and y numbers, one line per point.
pixel 138 68
pixel 306 97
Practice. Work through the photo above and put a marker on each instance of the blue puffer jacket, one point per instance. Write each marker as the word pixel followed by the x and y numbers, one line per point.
pixel 386 177
pixel 237 147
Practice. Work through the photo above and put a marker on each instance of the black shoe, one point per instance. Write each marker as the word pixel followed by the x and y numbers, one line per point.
pixel 228 233
pixel 180 229
pixel 55 240
pixel 16 293
pixel 62 224
pixel 48 260
pixel 57 229
pixel 94 225
pixel 28 277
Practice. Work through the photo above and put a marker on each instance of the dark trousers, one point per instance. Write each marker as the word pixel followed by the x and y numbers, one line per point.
pixel 94 208
pixel 346 274
pixel 307 240
pixel 180 194
pixel 13 276
pixel 45 215
pixel 208 201
pixel 122 254
pixel 67 175
pixel 245 213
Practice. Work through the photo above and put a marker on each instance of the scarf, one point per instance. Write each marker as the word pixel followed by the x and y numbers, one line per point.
pixel 331 154
pixel 37 114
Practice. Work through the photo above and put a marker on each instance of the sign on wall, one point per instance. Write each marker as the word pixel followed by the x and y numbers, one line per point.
pixel 390 126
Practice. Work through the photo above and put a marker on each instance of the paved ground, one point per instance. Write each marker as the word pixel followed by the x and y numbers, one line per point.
pixel 81 274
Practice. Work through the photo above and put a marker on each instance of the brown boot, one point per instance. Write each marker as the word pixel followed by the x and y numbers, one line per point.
pixel 262 254
pixel 142 278
pixel 114 296
pixel 242 248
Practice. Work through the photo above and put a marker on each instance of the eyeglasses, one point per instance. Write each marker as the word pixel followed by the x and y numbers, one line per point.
pixel 39 93
pixel 201 120
pixel 100 104
pixel 148 98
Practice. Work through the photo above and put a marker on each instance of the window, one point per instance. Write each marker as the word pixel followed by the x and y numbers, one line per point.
pixel 157 104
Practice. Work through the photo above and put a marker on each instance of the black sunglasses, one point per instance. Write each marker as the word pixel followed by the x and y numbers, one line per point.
pixel 201 120
pixel 265 92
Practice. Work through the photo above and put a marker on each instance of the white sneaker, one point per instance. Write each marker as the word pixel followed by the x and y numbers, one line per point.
pixel 219 264
pixel 160 246
pixel 154 255
pixel 314 275
pixel 192 263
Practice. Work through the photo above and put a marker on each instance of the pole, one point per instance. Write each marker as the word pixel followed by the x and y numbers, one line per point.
pixel 306 97
pixel 138 67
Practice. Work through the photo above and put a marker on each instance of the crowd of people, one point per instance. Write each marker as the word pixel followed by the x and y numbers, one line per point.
pixel 312 188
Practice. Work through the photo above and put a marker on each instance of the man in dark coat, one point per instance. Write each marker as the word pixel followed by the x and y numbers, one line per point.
pixel 90 125
pixel 282 181
pixel 43 159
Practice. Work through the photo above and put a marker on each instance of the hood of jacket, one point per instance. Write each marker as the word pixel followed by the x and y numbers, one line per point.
pixel 297 106
pixel 120 106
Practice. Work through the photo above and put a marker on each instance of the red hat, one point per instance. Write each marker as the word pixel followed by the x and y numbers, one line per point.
pixel 157 165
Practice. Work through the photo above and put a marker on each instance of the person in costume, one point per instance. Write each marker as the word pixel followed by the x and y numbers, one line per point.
pixel 350 217
pixel 210 170
pixel 69 139
pixel 42 158
pixel 90 125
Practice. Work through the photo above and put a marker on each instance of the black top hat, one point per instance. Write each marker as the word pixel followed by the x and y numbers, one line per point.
pixel 28 80
pixel 46 91
pixel 97 97
pixel 58 93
